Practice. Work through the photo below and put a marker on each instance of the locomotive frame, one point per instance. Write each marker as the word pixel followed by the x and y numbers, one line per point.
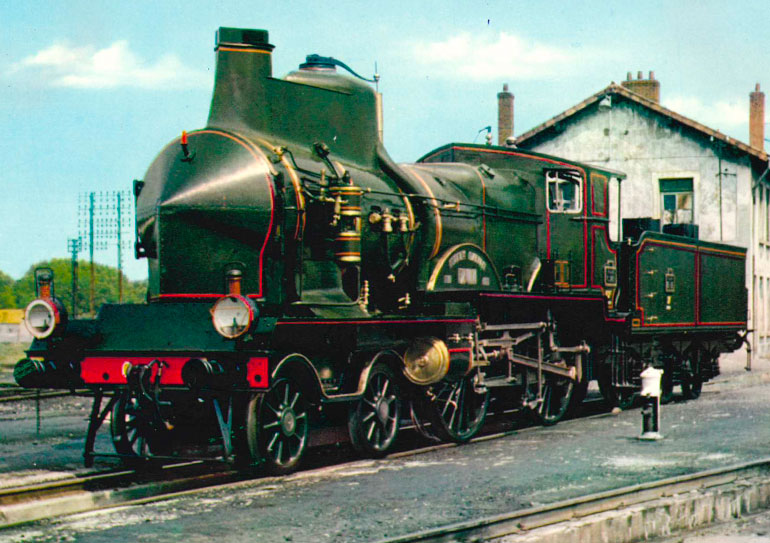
pixel 301 280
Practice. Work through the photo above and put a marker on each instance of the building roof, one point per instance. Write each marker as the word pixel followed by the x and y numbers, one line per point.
pixel 614 88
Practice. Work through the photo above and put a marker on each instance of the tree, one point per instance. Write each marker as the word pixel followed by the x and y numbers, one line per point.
pixel 105 285
pixel 7 297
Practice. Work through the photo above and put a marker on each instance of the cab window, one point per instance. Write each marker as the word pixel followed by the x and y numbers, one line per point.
pixel 565 190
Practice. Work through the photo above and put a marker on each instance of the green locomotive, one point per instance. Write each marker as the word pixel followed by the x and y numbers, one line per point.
pixel 301 281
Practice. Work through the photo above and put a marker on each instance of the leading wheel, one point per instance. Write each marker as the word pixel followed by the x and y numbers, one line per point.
pixel 456 410
pixel 277 427
pixel 373 420
pixel 133 430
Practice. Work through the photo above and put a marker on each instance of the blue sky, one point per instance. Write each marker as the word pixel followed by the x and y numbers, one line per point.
pixel 91 91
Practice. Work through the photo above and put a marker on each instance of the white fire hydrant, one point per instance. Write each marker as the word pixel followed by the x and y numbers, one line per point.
pixel 651 410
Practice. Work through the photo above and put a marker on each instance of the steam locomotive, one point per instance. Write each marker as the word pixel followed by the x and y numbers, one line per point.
pixel 300 281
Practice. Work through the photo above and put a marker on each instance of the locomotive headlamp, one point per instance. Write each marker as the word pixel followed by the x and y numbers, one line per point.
pixel 233 315
pixel 45 314
pixel 41 318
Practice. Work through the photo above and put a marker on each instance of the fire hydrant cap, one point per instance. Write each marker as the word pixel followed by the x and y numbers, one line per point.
pixel 651 382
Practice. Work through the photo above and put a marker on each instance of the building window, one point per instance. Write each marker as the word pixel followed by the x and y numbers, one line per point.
pixel 565 191
pixel 676 201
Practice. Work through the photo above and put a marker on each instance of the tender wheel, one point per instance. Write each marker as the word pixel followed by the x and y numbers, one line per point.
pixel 667 384
pixel 277 424
pixel 457 411
pixel 692 382
pixel 692 386
pixel 132 429
pixel 615 395
pixel 373 420
pixel 556 395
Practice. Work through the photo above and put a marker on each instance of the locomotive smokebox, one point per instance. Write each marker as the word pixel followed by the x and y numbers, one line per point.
pixel 223 198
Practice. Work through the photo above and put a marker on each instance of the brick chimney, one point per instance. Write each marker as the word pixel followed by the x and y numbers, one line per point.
pixel 504 115
pixel 646 88
pixel 757 119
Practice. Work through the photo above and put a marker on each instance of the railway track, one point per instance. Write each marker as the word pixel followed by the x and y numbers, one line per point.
pixel 106 489
pixel 640 511
pixel 102 490
pixel 13 393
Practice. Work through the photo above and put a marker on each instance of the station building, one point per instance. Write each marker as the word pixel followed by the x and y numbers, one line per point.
pixel 12 329
pixel 679 171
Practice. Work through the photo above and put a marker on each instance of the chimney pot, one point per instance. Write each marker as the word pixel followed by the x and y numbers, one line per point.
pixel 647 88
pixel 504 115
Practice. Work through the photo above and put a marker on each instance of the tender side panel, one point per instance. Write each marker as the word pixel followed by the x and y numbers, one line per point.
pixel 682 283
pixel 722 298
pixel 665 283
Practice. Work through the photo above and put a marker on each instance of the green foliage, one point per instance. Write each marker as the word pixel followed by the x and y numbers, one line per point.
pixel 7 296
pixel 105 285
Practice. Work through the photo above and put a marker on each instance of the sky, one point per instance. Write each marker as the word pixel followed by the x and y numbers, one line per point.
pixel 91 91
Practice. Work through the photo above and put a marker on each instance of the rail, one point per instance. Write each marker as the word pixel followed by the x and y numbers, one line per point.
pixel 519 522
pixel 102 490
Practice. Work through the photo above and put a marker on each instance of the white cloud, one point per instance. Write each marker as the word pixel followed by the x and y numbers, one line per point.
pixel 62 65
pixel 721 114
pixel 489 58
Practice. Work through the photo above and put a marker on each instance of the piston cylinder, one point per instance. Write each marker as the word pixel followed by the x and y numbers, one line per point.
pixel 428 361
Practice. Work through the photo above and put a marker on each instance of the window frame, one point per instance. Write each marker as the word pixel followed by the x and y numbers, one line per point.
pixel 561 176
pixel 676 193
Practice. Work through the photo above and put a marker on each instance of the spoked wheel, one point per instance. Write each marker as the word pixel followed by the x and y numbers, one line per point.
pixel 133 431
pixel 373 420
pixel 277 424
pixel 579 393
pixel 580 387
pixel 556 395
pixel 456 411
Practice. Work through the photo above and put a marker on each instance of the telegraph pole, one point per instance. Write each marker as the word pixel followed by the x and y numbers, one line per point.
pixel 120 251
pixel 103 217
pixel 73 245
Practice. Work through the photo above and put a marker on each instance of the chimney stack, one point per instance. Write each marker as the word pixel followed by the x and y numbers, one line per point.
pixel 646 88
pixel 504 115
pixel 757 119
